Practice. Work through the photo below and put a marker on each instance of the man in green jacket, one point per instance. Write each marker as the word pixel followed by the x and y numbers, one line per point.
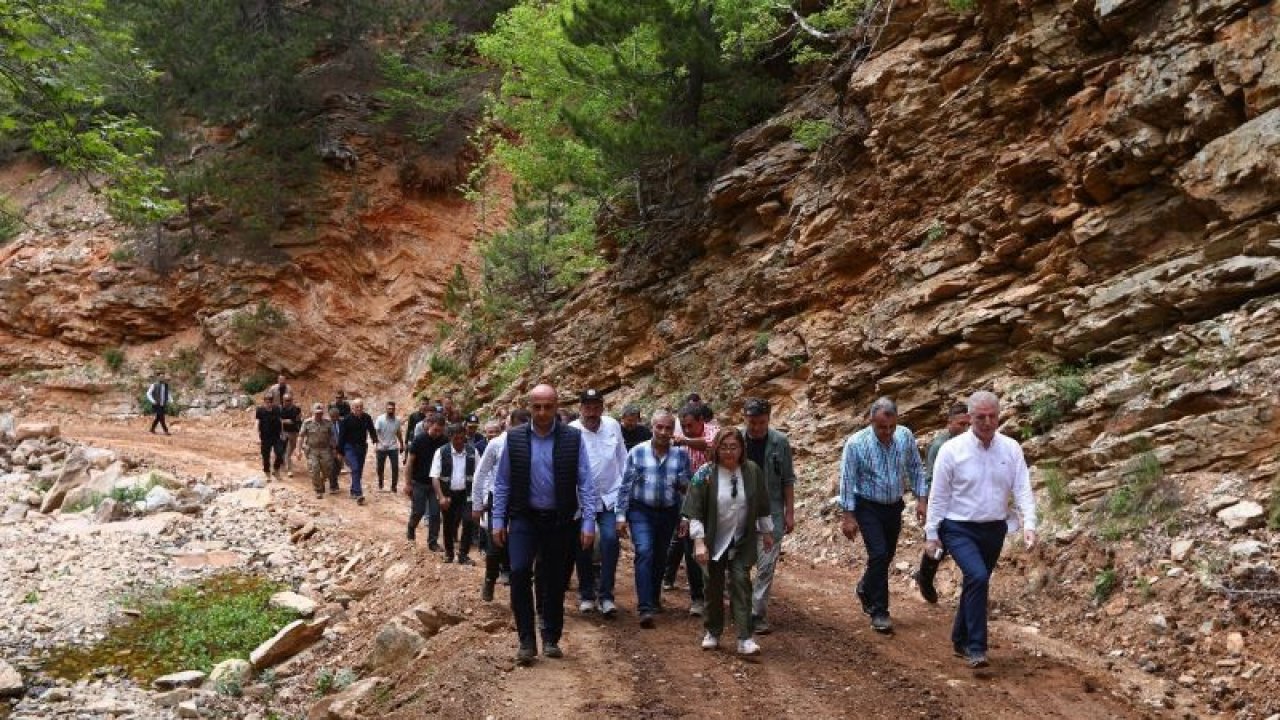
pixel 771 450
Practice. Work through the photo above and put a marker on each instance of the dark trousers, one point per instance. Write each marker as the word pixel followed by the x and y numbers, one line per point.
pixel 541 538
pixel 651 531
pixel 334 468
pixel 424 501
pixel 975 546
pixel 160 411
pixel 268 446
pixel 394 456
pixel 459 514
pixel 880 526
pixel 682 547
pixel 495 561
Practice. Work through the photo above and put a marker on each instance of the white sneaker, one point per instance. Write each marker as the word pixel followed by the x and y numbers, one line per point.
pixel 586 606
pixel 711 642
pixel 608 609
pixel 697 607
pixel 748 647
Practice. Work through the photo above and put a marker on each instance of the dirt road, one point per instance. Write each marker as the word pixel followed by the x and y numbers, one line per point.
pixel 822 662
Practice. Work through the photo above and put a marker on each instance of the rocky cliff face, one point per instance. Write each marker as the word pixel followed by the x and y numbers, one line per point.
pixel 1086 186
pixel 352 298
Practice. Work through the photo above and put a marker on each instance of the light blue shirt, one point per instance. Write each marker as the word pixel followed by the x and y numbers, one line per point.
pixel 652 481
pixel 542 484
pixel 875 471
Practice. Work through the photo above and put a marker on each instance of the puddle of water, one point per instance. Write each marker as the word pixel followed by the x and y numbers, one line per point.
pixel 190 627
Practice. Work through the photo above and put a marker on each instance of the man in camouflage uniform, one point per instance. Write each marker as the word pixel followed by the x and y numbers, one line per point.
pixel 319 446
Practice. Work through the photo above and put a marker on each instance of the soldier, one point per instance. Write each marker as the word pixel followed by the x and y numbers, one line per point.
pixel 319 446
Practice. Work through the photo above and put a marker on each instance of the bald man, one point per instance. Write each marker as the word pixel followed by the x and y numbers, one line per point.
pixel 543 480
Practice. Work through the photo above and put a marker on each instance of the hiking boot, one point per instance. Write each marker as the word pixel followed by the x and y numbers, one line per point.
pixel 976 660
pixel 862 597
pixel 709 641
pixel 552 650
pixel 486 592
pixel 924 578
pixel 881 623
pixel 526 654
pixel 607 608
pixel 761 626
pixel 697 607
pixel 748 647
pixel 646 620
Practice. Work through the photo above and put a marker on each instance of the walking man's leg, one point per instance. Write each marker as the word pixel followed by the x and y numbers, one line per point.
pixel 765 565
pixel 355 461
pixel 879 526
pixel 462 499
pixel 394 455
pixel 451 520
pixel 433 521
pixel 418 508
pixel 524 546
pixel 380 456
pixel 697 593
pixel 610 549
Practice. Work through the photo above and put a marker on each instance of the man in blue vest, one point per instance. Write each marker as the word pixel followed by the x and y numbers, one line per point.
pixel 543 479
pixel 452 471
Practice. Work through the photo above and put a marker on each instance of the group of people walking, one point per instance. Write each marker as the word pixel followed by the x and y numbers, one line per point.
pixel 547 494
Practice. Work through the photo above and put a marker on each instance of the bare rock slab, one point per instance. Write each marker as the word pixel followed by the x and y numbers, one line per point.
pixel 301 604
pixel 11 684
pixel 1243 516
pixel 351 703
pixel 291 640
pixel 36 430
pixel 184 679
pixel 434 619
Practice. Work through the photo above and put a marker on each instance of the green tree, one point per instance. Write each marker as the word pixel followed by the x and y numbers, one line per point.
pixel 67 70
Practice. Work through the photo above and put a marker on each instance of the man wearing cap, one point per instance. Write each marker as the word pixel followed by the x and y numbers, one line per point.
pixel 319 446
pixel 771 450
pixel 475 438
pixel 607 451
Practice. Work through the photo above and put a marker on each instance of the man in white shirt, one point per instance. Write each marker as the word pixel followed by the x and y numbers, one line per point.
pixel 973 478
pixel 390 445
pixel 607 452
pixel 452 469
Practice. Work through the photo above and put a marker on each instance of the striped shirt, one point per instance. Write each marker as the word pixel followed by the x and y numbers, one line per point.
pixel 875 471
pixel 653 481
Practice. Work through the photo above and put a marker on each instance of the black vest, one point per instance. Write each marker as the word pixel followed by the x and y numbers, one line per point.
pixel 564 463
pixel 446 465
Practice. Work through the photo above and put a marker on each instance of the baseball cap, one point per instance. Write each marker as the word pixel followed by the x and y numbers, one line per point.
pixel 756 406
pixel 591 395
pixel 693 397
pixel 472 419
pixel 317 407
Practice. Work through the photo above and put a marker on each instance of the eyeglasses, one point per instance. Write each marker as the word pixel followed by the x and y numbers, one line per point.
pixel 733 491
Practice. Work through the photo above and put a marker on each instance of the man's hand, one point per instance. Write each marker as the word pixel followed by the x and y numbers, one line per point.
pixel 1029 537
pixel 588 540
pixel 476 515
pixel 683 530
pixel 499 536
pixel 932 547
pixel 849 526
pixel 767 540
pixel 622 529
pixel 789 522
pixel 922 509
pixel 444 502
pixel 700 551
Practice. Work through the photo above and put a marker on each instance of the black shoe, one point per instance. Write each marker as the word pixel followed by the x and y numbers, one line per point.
pixel 433 546
pixel 486 592
pixel 646 620
pixel 448 558
pixel 410 536
pixel 526 654
pixel 465 560
pixel 360 500
pixel 881 623
pixel 552 650
pixel 924 578
pixel 862 597
pixel 958 650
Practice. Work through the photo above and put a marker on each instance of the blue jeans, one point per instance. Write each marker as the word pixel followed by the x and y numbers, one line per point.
pixel 590 586
pixel 880 526
pixel 975 547
pixel 538 537
pixel 355 461
pixel 651 532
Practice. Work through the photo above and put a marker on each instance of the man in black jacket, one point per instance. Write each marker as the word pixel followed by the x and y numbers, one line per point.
pixel 452 471
pixel 543 478
pixel 270 435
pixel 424 502
pixel 352 434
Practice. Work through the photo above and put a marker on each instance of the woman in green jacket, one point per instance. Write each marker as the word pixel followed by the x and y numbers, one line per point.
pixel 727 505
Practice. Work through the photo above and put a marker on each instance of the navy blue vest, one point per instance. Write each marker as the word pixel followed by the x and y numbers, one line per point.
pixel 564 463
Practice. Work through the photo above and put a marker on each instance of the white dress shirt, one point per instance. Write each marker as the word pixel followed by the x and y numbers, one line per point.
pixel 607 453
pixel 973 482
pixel 486 469
pixel 458 476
